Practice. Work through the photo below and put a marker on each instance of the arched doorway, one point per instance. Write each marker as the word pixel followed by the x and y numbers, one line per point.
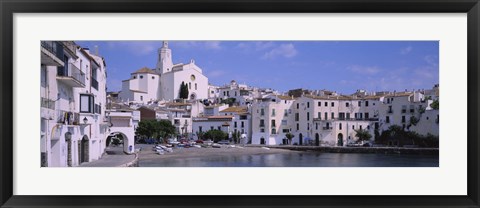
pixel 317 139
pixel 68 139
pixel 300 139
pixel 340 139
pixel 262 140
pixel 84 149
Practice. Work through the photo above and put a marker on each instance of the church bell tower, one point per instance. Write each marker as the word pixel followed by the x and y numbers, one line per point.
pixel 164 63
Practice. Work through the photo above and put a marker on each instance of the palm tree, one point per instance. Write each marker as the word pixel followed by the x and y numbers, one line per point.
pixel 363 135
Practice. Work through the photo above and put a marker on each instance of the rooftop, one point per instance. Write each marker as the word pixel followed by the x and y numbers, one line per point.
pixel 144 70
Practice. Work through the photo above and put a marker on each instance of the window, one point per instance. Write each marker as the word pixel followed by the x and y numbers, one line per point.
pixel 308 104
pixel 262 112
pixel 190 85
pixel 319 104
pixel 326 116
pixel 235 124
pixel 195 86
pixel 273 111
pixel 273 123
pixel 141 98
pixel 285 113
pixel 298 126
pixel 211 127
pixel 262 130
pixel 359 103
pixel 134 77
pixel 326 104
pixel 403 119
pixel 224 93
pixel 333 104
pixel 243 124
pixel 316 126
pixel 368 127
pixel 285 130
pixel 297 117
pixel 353 126
pixel 367 116
pixel 347 104
pixel 319 115
pixel 200 128
pixel 284 122
pixel 366 103
pixel 308 126
pixel 340 126
pixel 219 128
pixel 308 116
pixel 153 77
pixel 348 115
pixel 86 103
pixel 262 123
pixel 235 93
pixel 141 76
pixel 274 131
pixel 298 105
pixel 387 119
pixel 43 75
pixel 360 127
pixel 333 115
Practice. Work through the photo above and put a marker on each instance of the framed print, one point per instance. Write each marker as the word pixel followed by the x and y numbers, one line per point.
pixel 242 104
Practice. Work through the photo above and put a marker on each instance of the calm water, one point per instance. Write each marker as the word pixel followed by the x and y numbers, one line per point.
pixel 301 159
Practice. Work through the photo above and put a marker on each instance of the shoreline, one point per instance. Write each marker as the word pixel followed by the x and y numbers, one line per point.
pixel 365 150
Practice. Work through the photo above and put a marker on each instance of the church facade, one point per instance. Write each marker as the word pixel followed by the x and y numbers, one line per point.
pixel 163 83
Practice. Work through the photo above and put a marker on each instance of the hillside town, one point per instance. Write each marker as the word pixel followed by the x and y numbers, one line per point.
pixel 79 118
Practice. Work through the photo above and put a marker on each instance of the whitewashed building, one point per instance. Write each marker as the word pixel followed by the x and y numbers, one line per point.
pixel 163 82
pixel 73 97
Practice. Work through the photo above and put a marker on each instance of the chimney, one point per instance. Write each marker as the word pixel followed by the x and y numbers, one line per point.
pixel 96 49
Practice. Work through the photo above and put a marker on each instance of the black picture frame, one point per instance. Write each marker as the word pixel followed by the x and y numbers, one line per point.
pixel 10 7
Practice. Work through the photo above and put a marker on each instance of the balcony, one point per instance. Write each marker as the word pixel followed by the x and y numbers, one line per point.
pixel 68 118
pixel 71 76
pixel 51 53
pixel 94 83
pixel 47 103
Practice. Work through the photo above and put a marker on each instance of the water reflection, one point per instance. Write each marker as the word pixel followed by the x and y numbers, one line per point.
pixel 300 159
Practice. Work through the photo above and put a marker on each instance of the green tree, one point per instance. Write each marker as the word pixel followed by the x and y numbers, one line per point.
pixel 363 135
pixel 435 105
pixel 236 137
pixel 155 129
pixel 183 91
pixel 215 135
pixel 414 120
pixel 289 137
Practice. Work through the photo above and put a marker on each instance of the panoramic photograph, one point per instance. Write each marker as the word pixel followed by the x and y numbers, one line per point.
pixel 170 103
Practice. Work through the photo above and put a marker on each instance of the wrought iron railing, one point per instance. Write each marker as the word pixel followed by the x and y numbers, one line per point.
pixel 73 72
pixel 47 103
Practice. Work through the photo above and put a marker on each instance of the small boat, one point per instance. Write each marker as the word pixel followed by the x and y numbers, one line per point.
pixel 216 145
pixel 265 148
pixel 160 152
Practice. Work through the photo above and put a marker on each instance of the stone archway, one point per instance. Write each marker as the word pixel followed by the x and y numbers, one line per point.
pixel 317 139
pixel 84 150
pixel 127 140
pixel 340 139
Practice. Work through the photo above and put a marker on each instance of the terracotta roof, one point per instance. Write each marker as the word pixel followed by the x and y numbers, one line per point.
pixel 177 104
pixel 144 70
pixel 235 110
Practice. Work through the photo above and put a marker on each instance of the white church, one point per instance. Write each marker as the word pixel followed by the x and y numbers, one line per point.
pixel 163 83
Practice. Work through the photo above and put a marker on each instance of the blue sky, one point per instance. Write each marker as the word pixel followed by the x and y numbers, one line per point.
pixel 342 66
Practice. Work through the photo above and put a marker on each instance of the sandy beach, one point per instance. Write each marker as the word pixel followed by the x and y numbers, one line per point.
pixel 182 153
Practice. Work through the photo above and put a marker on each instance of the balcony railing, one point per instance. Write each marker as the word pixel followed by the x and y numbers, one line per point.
pixel 54 48
pixel 68 118
pixel 71 76
pixel 47 103
pixel 94 83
